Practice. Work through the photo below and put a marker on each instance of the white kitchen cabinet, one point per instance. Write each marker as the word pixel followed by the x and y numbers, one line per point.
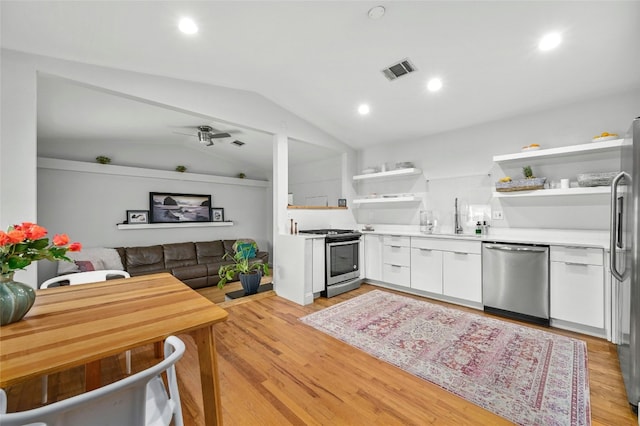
pixel 396 260
pixel 319 265
pixel 577 285
pixel 446 266
pixel 373 257
pixel 426 269
pixel 462 275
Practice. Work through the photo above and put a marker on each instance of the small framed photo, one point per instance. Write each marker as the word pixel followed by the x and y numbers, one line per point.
pixel 217 214
pixel 137 216
pixel 342 202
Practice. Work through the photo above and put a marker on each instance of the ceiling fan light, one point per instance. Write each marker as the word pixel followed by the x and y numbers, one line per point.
pixel 203 136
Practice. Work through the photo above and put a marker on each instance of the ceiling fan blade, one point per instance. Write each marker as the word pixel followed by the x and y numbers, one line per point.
pixel 219 135
pixel 186 134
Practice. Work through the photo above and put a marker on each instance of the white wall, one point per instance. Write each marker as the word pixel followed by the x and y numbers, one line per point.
pixel 88 206
pixel 316 180
pixel 159 157
pixel 18 148
pixel 456 164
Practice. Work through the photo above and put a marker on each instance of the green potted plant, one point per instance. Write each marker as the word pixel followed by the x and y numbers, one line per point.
pixel 250 272
pixel 181 169
pixel 102 159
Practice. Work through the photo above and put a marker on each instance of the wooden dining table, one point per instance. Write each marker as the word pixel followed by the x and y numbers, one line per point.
pixel 80 325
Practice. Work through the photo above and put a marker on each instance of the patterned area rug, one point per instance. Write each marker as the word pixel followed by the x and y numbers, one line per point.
pixel 528 376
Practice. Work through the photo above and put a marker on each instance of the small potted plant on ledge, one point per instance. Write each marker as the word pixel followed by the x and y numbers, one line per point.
pixel 250 273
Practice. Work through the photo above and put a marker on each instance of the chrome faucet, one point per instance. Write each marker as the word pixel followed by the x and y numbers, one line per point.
pixel 457 226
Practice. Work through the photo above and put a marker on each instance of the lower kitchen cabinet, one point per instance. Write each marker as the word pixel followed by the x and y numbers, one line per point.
pixel 396 260
pixel 446 266
pixel 426 269
pixel 373 257
pixel 462 275
pixel 577 285
pixel 319 265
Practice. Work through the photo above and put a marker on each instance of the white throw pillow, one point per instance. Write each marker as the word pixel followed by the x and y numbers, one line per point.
pixel 100 257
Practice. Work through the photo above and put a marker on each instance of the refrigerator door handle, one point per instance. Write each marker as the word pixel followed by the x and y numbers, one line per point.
pixel 615 235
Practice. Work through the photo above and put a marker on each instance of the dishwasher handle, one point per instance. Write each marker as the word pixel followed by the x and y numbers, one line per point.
pixel 512 248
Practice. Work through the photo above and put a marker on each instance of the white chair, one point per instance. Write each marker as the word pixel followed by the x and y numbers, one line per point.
pixel 86 277
pixel 137 400
pixel 83 278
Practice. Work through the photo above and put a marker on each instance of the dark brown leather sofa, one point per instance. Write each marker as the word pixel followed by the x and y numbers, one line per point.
pixel 195 264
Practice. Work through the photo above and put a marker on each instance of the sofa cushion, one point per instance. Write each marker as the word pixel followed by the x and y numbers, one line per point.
pixel 179 254
pixel 228 246
pixel 184 273
pixel 141 260
pixel 100 257
pixel 209 251
pixel 214 267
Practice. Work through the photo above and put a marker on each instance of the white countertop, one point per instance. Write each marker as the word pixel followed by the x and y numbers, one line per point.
pixel 563 237
pixel 560 237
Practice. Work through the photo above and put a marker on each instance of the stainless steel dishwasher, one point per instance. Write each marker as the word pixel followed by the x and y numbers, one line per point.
pixel 515 281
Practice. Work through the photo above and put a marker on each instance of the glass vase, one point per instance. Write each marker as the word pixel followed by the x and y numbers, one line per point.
pixel 15 299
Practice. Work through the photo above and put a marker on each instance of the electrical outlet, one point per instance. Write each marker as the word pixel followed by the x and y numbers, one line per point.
pixel 497 215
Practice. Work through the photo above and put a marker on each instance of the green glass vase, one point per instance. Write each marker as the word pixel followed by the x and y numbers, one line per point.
pixel 15 299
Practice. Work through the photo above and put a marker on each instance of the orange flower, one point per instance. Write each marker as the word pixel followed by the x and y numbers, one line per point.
pixel 16 236
pixel 60 240
pixel 35 232
pixel 25 243
pixel 75 246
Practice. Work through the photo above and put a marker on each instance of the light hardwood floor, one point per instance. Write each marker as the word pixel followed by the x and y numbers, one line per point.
pixel 274 370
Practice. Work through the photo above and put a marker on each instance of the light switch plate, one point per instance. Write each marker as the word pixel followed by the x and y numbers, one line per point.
pixel 497 215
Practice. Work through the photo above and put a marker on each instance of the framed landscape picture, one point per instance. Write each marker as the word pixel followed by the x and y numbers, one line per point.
pixel 137 216
pixel 167 207
pixel 217 214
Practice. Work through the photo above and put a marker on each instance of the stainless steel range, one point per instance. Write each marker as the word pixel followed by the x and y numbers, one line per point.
pixel 342 259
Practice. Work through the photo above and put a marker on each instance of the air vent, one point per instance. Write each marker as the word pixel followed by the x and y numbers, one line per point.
pixel 398 70
pixel 237 143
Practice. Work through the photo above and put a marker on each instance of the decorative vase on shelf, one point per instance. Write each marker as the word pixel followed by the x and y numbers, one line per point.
pixel 15 299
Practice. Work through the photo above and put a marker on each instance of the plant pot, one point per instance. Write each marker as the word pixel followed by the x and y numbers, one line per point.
pixel 15 299
pixel 250 282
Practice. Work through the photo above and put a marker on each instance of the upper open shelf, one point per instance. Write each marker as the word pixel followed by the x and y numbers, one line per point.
pixel 389 174
pixel 564 151
pixel 172 225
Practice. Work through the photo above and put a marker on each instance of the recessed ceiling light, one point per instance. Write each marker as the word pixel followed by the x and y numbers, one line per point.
pixel 550 41
pixel 187 26
pixel 434 85
pixel 363 109
pixel 376 12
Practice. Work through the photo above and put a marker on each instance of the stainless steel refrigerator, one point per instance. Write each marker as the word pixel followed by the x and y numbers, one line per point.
pixel 625 262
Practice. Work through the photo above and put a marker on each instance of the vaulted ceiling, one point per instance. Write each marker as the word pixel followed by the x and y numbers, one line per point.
pixel 321 59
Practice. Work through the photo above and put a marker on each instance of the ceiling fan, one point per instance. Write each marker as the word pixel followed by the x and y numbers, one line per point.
pixel 206 134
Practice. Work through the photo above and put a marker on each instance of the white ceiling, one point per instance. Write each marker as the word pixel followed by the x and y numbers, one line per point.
pixel 320 59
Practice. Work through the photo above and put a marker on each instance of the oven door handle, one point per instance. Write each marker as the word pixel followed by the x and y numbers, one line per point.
pixel 343 243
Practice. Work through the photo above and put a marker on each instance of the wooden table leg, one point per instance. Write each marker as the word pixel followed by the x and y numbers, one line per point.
pixel 158 348
pixel 208 359
pixel 92 379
